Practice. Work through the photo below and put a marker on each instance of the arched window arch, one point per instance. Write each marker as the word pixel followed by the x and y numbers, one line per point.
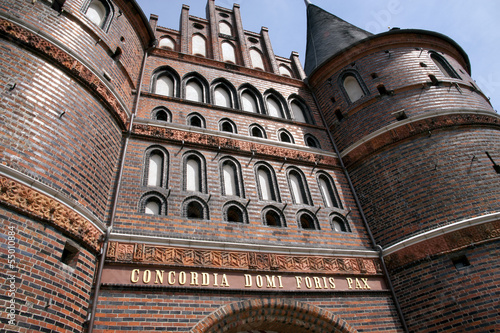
pixel 194 172
pixel 231 179
pixel 251 100
pixel 100 12
pixel 199 44
pixel 225 28
pixel 195 208
pixel 352 86
pixel 300 110
pixel 155 167
pixel 153 203
pixel 257 59
pixel 311 141
pixel 306 220
pixel 328 191
pixel 298 187
pixel 235 212
pixel 228 52
pixel 227 125
pixel 339 223
pixel 257 131
pixel 195 88
pixel 273 217
pixel 266 183
pixel 165 81
pixel 285 136
pixel 223 93
pixel 285 71
pixel 162 114
pixel 444 66
pixel 167 43
pixel 274 107
pixel 196 120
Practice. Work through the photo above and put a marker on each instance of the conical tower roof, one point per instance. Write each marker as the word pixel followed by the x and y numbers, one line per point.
pixel 327 35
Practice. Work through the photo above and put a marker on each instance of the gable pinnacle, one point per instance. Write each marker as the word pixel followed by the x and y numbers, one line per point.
pixel 307 2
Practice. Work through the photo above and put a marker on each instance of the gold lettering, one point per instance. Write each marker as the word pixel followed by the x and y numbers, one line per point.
pixel 358 285
pixel 159 277
pixel 365 281
pixel 308 282
pixel 332 283
pixel 324 281
pixel 224 282
pixel 171 277
pixel 258 281
pixel 271 283
pixel 134 277
pixel 146 277
pixel 205 279
pixel 215 280
pixel 194 279
pixel 182 278
pixel 349 282
pixel 298 279
pixel 280 282
pixel 248 280
pixel 317 283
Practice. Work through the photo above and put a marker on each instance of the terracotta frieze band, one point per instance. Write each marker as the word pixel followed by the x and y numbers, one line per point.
pixel 63 59
pixel 251 148
pixel 138 253
pixel 38 205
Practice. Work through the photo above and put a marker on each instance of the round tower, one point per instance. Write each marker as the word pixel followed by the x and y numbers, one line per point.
pixel 421 143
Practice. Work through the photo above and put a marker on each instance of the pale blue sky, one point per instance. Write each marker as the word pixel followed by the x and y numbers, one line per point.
pixel 474 25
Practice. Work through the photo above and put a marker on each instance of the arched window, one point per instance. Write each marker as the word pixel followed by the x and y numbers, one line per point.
pixel 298 112
pixel 257 131
pixel 196 120
pixel 225 28
pixel 194 173
pixel 298 187
pixel 162 114
pixel 285 71
pixel 352 87
pixel 266 183
pixel 285 136
pixel 152 207
pixel 155 167
pixel 328 191
pixel 165 82
pixel 228 52
pixel 257 59
pixel 235 212
pixel 231 178
pixel 194 91
pixel 339 223
pixel 311 141
pixel 153 203
pixel 195 208
pixel 164 86
pixel 167 43
pixel 444 66
pixel 307 221
pixel 222 96
pixel 273 217
pixel 227 125
pixel 274 107
pixel 99 12
pixel 199 45
pixel 249 102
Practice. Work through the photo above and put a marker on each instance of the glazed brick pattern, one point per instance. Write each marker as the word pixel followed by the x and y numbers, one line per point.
pixel 429 181
pixel 437 297
pixel 130 220
pixel 55 131
pixel 177 311
pixel 50 296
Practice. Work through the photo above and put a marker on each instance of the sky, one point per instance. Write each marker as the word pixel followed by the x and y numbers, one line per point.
pixel 473 24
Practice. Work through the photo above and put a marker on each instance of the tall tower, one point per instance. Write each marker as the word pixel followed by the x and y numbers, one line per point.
pixel 419 141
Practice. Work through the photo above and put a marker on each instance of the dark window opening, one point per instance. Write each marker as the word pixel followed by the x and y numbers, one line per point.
pixel 434 81
pixel 70 255
pixel 227 127
pixel 194 210
pixel 257 132
pixel 58 4
pixel 307 222
pixel 285 137
pixel 338 225
pixel 339 115
pixel 195 121
pixel 273 219
pixel 234 214
pixel 161 115
pixel 460 262
pixel 312 142
pixel 382 90
pixel 374 75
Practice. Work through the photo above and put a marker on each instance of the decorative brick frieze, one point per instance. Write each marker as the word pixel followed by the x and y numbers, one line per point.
pixel 38 44
pixel 210 141
pixel 135 253
pixel 40 206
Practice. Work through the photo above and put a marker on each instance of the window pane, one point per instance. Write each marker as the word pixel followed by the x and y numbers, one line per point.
pixel 325 190
pixel 155 170
pixel 228 53
pixel 296 189
pixel 222 97
pixel 273 107
pixel 164 86
pixel 285 71
pixel 193 175
pixel 225 28
pixel 199 46
pixel 265 184
pixel 256 58
pixel 167 43
pixel 194 92
pixel 353 88
pixel 229 177
pixel 152 208
pixel 298 113
pixel 249 103
pixel 96 13
pixel 337 226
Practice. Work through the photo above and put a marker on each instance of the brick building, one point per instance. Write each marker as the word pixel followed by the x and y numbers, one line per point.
pixel 193 181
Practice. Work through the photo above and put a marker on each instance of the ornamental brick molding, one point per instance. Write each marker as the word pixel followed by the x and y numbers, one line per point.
pixel 200 139
pixel 281 315
pixel 38 44
pixel 40 206
pixel 134 253
pixel 443 244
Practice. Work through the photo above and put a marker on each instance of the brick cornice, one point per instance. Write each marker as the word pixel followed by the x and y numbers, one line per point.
pixel 67 62
pixel 38 205
pixel 152 254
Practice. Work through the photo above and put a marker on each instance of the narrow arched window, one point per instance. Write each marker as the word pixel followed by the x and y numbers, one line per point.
pixel 339 224
pixel 298 188
pixel 307 221
pixel 194 91
pixel 227 125
pixel 98 12
pixel 153 203
pixel 266 184
pixel 272 217
pixel 353 88
pixel 228 52
pixel 274 107
pixel 199 45
pixel 193 174
pixel 162 114
pixel 222 97
pixel 235 212
pixel 155 172
pixel 249 102
pixel 164 85
pixel 256 59
pixel 311 141
pixel 328 192
pixel 284 136
pixel 257 131
pixel 225 28
pixel 444 66
pixel 285 71
pixel 195 208
pixel 196 120
pixel 298 112
pixel 230 179
pixel 167 43
pixel 152 207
